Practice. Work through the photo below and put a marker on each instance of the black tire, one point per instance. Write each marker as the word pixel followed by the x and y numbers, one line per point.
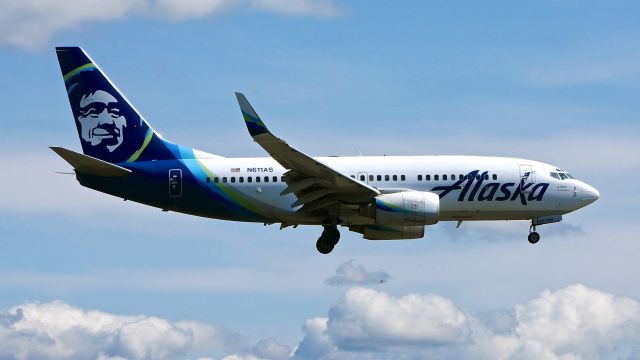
pixel 334 236
pixel 331 234
pixel 323 246
pixel 534 237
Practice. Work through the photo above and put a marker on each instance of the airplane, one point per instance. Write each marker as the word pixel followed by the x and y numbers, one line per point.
pixel 379 197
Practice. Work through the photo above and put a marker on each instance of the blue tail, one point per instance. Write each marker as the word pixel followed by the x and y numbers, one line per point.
pixel 109 127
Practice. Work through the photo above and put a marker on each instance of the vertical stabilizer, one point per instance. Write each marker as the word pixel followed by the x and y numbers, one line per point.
pixel 109 127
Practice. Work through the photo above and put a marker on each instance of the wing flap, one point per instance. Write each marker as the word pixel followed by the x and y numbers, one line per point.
pixel 90 165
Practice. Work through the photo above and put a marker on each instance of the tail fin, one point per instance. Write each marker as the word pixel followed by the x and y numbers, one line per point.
pixel 109 127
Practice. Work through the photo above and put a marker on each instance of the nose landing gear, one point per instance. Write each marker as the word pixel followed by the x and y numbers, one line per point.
pixel 533 237
pixel 328 240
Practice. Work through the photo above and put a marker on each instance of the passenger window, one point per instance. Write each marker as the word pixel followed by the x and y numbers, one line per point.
pixel 419 177
pixel 257 178
pixel 282 178
pixel 207 180
pixel 477 176
pixel 486 176
pixel 444 177
pixel 266 179
pixel 215 180
pixel 495 177
pixel 224 179
pixel 249 179
pixel 460 177
pixel 436 177
pixel 395 177
pixel 241 179
pixel 386 178
pixel 379 177
pixel 370 177
pixel 453 176
pixel 362 178
pixel 402 178
pixel 427 177
pixel 275 179
pixel 233 179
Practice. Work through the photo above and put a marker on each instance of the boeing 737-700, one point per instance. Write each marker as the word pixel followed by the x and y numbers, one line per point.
pixel 380 197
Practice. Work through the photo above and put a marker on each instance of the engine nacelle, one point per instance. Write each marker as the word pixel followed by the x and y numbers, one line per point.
pixel 402 232
pixel 407 208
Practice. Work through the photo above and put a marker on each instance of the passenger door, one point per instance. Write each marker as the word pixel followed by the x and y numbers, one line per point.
pixel 527 176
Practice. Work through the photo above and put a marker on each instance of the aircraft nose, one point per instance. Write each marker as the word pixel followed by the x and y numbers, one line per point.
pixel 589 193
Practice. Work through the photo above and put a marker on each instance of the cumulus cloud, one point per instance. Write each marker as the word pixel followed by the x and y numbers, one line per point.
pixel 57 330
pixel 267 349
pixel 271 349
pixel 576 322
pixel 348 273
pixel 370 319
pixel 29 24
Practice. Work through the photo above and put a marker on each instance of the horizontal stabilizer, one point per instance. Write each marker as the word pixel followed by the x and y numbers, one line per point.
pixel 90 165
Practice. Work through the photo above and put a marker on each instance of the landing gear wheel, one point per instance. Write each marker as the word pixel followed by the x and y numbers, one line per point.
pixel 328 240
pixel 534 237
pixel 323 246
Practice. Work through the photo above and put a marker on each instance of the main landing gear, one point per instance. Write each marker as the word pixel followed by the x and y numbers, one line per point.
pixel 329 238
pixel 533 237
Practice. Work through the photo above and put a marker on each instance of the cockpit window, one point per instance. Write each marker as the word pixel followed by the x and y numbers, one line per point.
pixel 563 176
pixel 555 175
pixel 569 175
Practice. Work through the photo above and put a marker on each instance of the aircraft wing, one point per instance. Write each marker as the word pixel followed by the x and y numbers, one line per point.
pixel 317 186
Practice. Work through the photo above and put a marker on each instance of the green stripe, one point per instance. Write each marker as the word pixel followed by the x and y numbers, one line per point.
pixel 147 140
pixel 77 70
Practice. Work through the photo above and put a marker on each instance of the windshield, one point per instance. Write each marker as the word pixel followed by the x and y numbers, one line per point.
pixel 561 175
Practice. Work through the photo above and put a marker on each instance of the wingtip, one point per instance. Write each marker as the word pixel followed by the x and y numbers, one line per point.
pixel 251 118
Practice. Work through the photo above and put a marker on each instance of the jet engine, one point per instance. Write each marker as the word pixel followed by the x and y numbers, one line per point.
pixel 406 208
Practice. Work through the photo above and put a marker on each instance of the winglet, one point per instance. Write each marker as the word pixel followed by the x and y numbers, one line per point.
pixel 254 123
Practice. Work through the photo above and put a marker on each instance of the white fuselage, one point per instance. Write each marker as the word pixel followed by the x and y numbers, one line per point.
pixel 501 189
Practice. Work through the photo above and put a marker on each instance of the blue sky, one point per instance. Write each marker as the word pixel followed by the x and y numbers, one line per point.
pixel 554 81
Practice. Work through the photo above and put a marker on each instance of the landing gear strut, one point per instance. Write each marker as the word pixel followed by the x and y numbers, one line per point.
pixel 329 238
pixel 533 237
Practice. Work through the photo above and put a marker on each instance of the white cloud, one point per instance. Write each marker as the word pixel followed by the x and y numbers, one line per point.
pixel 575 322
pixel 316 342
pixel 271 349
pixel 57 330
pixel 299 7
pixel 350 274
pixel 29 24
pixel 368 319
pixel 186 9
pixel 267 349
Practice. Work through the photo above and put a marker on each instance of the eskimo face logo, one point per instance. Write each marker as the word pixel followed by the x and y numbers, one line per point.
pixel 101 120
